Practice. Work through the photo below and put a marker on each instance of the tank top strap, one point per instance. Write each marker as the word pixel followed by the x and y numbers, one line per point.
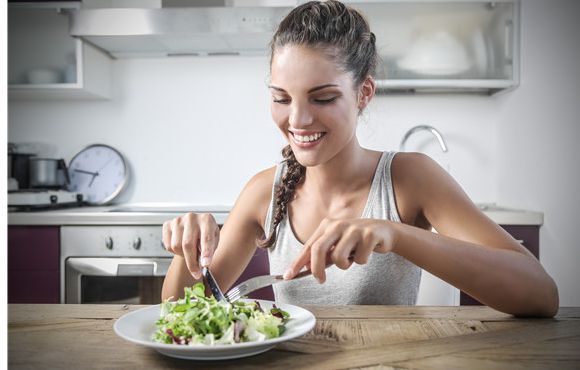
pixel 388 180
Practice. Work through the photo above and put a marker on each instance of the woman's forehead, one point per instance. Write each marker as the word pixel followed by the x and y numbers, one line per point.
pixel 304 66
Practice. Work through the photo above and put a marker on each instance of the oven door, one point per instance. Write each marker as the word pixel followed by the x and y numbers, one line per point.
pixel 115 280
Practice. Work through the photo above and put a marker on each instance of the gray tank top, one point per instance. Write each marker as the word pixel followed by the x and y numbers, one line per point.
pixel 386 279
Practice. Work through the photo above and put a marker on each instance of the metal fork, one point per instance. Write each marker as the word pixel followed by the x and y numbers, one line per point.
pixel 262 281
pixel 258 282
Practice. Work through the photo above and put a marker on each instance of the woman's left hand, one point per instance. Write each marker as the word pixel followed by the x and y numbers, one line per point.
pixel 342 242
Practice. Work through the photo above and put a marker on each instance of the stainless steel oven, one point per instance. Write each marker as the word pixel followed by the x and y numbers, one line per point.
pixel 112 264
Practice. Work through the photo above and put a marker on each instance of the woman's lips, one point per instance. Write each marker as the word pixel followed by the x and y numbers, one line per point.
pixel 307 140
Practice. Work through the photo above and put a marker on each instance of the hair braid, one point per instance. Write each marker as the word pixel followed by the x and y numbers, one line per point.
pixel 284 193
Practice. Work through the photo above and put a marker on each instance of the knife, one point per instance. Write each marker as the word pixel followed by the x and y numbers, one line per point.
pixel 213 285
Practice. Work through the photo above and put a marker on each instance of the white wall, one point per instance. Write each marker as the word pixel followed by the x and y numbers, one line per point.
pixel 537 134
pixel 196 129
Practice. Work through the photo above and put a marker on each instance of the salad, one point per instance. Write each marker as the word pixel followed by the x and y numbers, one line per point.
pixel 197 319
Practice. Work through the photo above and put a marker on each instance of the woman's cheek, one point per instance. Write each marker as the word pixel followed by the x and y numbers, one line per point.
pixel 278 116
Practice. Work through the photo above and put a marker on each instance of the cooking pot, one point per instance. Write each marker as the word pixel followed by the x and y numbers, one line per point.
pixel 48 173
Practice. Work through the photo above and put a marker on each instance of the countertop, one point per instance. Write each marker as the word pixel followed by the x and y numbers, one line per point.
pixel 82 337
pixel 157 213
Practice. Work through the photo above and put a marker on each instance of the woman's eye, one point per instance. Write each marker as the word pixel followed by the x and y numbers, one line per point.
pixel 325 101
pixel 281 101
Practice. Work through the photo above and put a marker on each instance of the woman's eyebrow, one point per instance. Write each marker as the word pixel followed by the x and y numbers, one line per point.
pixel 309 91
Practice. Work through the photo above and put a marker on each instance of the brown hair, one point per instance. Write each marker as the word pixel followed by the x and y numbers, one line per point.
pixel 344 35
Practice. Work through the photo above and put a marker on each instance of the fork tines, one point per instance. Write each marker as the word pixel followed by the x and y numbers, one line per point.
pixel 235 293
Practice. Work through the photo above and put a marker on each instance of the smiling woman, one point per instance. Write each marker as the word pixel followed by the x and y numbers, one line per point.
pixel 330 200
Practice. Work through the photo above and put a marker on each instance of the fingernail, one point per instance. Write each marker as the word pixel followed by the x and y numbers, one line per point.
pixel 196 275
pixel 288 274
pixel 205 261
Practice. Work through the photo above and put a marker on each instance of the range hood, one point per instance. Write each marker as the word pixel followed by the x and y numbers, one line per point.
pixel 161 32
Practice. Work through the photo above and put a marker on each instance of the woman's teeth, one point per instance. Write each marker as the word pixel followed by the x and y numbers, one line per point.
pixel 308 138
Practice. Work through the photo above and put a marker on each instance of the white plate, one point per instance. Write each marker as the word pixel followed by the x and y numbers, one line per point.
pixel 138 327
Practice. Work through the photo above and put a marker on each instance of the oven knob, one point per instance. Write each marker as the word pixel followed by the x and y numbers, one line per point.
pixel 109 242
pixel 137 243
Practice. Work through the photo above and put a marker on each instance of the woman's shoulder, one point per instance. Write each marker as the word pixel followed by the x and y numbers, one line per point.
pixel 263 180
pixel 258 193
pixel 415 178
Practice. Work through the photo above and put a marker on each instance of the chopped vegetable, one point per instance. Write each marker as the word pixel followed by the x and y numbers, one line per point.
pixel 197 319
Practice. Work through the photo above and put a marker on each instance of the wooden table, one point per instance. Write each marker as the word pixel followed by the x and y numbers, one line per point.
pixel 370 337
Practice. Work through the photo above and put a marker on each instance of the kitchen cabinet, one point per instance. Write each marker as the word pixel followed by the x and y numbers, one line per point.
pixel 33 264
pixel 445 46
pixel 528 236
pixel 45 62
pixel 424 46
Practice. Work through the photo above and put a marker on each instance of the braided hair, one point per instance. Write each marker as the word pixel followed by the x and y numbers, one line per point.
pixel 343 34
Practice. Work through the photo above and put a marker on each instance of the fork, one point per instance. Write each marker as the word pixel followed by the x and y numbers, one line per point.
pixel 258 282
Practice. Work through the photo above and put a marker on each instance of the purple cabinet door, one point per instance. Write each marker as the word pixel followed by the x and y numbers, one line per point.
pixel 528 236
pixel 33 264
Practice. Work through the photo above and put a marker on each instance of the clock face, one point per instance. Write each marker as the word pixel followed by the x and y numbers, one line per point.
pixel 99 172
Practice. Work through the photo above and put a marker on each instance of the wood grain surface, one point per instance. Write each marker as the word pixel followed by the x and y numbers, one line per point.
pixel 358 337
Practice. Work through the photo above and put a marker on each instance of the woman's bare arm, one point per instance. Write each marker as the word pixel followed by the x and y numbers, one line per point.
pixel 236 243
pixel 470 251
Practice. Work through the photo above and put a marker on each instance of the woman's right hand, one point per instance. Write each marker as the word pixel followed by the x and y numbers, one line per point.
pixel 189 234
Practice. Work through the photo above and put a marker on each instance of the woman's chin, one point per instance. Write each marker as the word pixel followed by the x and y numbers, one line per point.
pixel 307 159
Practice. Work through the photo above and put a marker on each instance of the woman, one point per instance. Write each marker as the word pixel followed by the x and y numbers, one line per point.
pixel 333 201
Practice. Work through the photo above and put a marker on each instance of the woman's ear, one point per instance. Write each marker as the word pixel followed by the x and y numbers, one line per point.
pixel 366 92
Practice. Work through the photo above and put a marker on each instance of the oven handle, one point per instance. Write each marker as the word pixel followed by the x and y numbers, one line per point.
pixel 118 266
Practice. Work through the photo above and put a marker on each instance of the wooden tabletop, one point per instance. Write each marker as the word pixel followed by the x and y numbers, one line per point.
pixel 364 337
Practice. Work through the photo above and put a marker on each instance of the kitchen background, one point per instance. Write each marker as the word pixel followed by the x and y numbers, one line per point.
pixel 195 129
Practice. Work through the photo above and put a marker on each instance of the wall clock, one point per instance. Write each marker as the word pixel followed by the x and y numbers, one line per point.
pixel 99 172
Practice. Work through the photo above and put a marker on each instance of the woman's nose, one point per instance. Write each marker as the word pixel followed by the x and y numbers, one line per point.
pixel 300 117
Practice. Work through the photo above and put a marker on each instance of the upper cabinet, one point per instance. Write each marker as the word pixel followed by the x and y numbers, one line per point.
pixel 45 62
pixel 434 46
pixel 429 46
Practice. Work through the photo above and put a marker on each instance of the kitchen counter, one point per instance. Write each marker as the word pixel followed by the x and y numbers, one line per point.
pixel 130 214
pixel 82 337
pixel 157 213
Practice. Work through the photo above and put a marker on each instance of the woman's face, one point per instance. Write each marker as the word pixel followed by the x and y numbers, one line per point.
pixel 313 103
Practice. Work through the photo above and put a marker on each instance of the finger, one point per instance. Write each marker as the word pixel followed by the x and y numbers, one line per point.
pixel 365 248
pixel 166 235
pixel 176 234
pixel 319 255
pixel 191 255
pixel 208 240
pixel 342 252
pixel 303 258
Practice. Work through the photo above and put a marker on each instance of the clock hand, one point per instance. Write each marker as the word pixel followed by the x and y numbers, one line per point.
pixel 105 165
pixel 87 172
pixel 93 179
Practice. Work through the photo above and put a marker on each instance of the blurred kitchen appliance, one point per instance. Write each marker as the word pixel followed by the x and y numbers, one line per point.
pixel 37 183
pixel 48 173
pixel 41 199
pixel 126 263
pixel 18 168
pixel 112 264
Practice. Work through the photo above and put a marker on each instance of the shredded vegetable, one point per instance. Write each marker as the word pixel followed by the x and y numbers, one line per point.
pixel 197 319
